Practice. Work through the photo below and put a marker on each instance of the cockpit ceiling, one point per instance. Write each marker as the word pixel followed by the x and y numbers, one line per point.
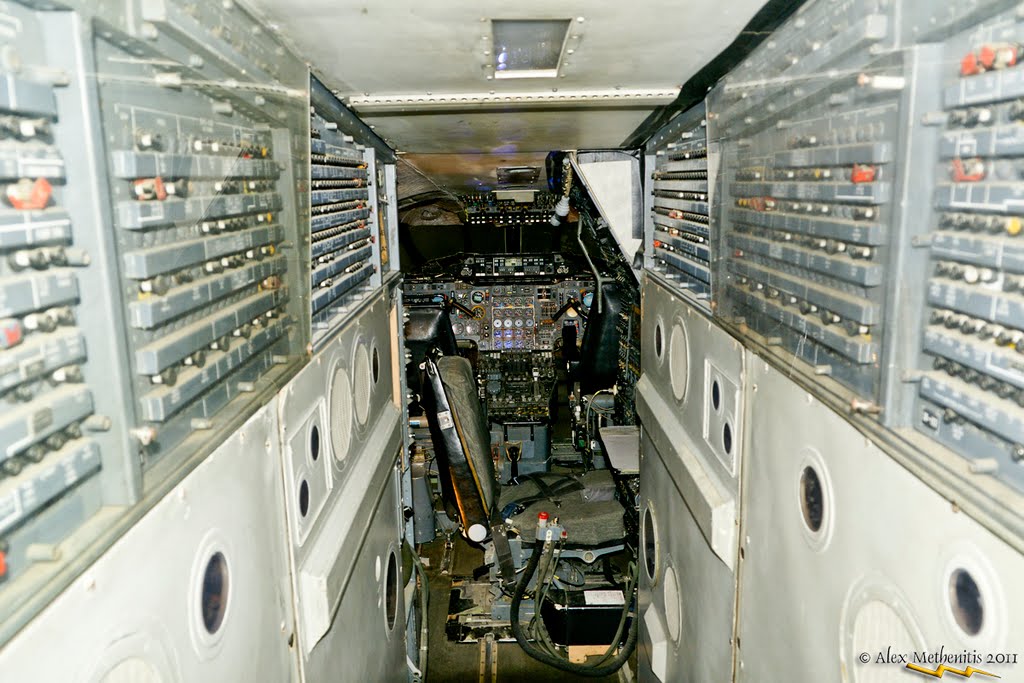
pixel 423 74
pixel 468 172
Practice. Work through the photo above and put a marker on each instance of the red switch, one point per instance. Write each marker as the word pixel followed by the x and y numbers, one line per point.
pixel 969 65
pixel 11 333
pixel 863 174
pixel 987 56
pixel 998 56
pixel 968 170
pixel 150 188
pixel 27 195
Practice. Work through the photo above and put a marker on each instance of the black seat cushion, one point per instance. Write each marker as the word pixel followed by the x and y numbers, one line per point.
pixel 589 512
pixel 460 433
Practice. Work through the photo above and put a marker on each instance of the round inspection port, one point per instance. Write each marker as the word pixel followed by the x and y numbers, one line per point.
pixel 213 600
pixel 966 602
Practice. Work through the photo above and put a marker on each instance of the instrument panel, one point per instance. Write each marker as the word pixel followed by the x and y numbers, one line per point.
pixel 509 316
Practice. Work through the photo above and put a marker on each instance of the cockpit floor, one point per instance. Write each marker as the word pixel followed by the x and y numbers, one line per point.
pixel 451 662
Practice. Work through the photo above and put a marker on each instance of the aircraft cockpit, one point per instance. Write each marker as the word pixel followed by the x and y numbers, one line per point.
pixel 444 342
pixel 519 358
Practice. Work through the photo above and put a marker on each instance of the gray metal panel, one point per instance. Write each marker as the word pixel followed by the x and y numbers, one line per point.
pixel 691 594
pixel 849 587
pixel 342 436
pixel 691 404
pixel 231 504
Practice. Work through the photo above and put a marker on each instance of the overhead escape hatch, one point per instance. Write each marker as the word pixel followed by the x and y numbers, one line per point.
pixel 528 48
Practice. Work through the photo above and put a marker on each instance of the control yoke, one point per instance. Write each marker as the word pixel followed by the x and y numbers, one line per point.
pixel 575 305
pixel 451 303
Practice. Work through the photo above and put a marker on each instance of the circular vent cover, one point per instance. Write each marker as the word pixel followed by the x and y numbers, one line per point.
pixel 650 544
pixel 132 670
pixel 678 360
pixel 341 413
pixel 876 627
pixel 672 606
pixel 362 384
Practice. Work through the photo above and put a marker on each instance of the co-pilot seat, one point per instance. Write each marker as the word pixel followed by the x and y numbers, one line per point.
pixel 585 505
pixel 596 364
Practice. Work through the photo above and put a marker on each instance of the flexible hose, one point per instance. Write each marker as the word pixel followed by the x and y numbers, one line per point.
pixel 607 667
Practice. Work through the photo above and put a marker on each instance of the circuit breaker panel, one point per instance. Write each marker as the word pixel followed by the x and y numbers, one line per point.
pixel 865 208
pixel 971 391
pixel 807 190
pixel 204 185
pixel 154 272
pixel 350 226
pixel 680 228
pixel 62 455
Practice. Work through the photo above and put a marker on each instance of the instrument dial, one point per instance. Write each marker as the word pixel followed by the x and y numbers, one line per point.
pixel 472 328
pixel 458 329
pixel 478 297
pixel 508 322
pixel 588 298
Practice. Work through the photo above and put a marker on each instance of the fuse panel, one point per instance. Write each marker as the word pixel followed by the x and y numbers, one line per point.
pixel 153 282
